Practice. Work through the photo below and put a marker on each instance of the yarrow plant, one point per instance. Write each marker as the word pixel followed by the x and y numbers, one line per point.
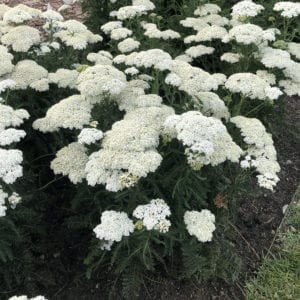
pixel 141 125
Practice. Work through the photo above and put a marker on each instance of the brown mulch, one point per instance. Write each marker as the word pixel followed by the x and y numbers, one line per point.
pixel 73 12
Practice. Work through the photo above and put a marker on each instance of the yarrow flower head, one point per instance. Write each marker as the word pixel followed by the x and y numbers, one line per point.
pixel 114 225
pixel 252 86
pixel 200 224
pixel 154 215
pixel 246 8
pixel 260 153
pixel 89 136
pixel 288 9
pixel 206 139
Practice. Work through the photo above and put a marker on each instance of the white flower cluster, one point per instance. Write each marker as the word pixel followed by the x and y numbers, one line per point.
pixel 20 13
pixel 100 58
pixel 72 112
pixel 11 159
pixel 207 34
pixel 155 58
pixel 288 9
pixel 27 298
pixel 89 136
pixel 70 161
pixel 252 86
pixel 128 45
pixel 260 152
pixel 200 224
pixel 114 225
pixel 154 215
pixel 193 79
pixel 6 58
pixel 21 38
pixel 3 197
pixel 128 149
pixel 76 35
pixel 294 49
pixel 211 105
pixel 206 139
pixel 249 34
pixel 64 78
pixel 207 9
pixel 246 8
pixel 100 80
pixel 199 50
pixel 152 31
pixel 13 200
pixel 27 73
pixel 230 57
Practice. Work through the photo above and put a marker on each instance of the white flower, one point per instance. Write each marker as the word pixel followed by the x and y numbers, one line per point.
pixel 173 79
pixel 6 84
pixel 10 168
pixel 274 58
pixel 89 136
pixel 252 86
pixel 194 79
pixel 100 58
pixel 200 224
pixel 100 80
pixel 129 148
pixel 64 78
pixel 72 112
pixel 114 225
pixel 209 33
pixel 128 45
pixel 20 14
pixel 260 149
pixel 51 15
pixel 27 73
pixel 207 9
pixel 10 117
pixel 154 215
pixel 153 32
pixel 6 58
pixel 246 8
pixel 294 49
pixel 76 35
pixel 107 28
pixel 3 197
pixel 131 71
pixel 230 57
pixel 199 50
pixel 249 33
pixel 14 199
pixel 129 12
pixel 206 139
pixel 27 298
pixel 11 135
pixel 289 9
pixel 71 161
pixel 21 38
pixel 268 77
pixel 120 33
pixel 210 104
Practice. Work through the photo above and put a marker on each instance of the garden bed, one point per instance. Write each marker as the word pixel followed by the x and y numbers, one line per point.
pixel 254 229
